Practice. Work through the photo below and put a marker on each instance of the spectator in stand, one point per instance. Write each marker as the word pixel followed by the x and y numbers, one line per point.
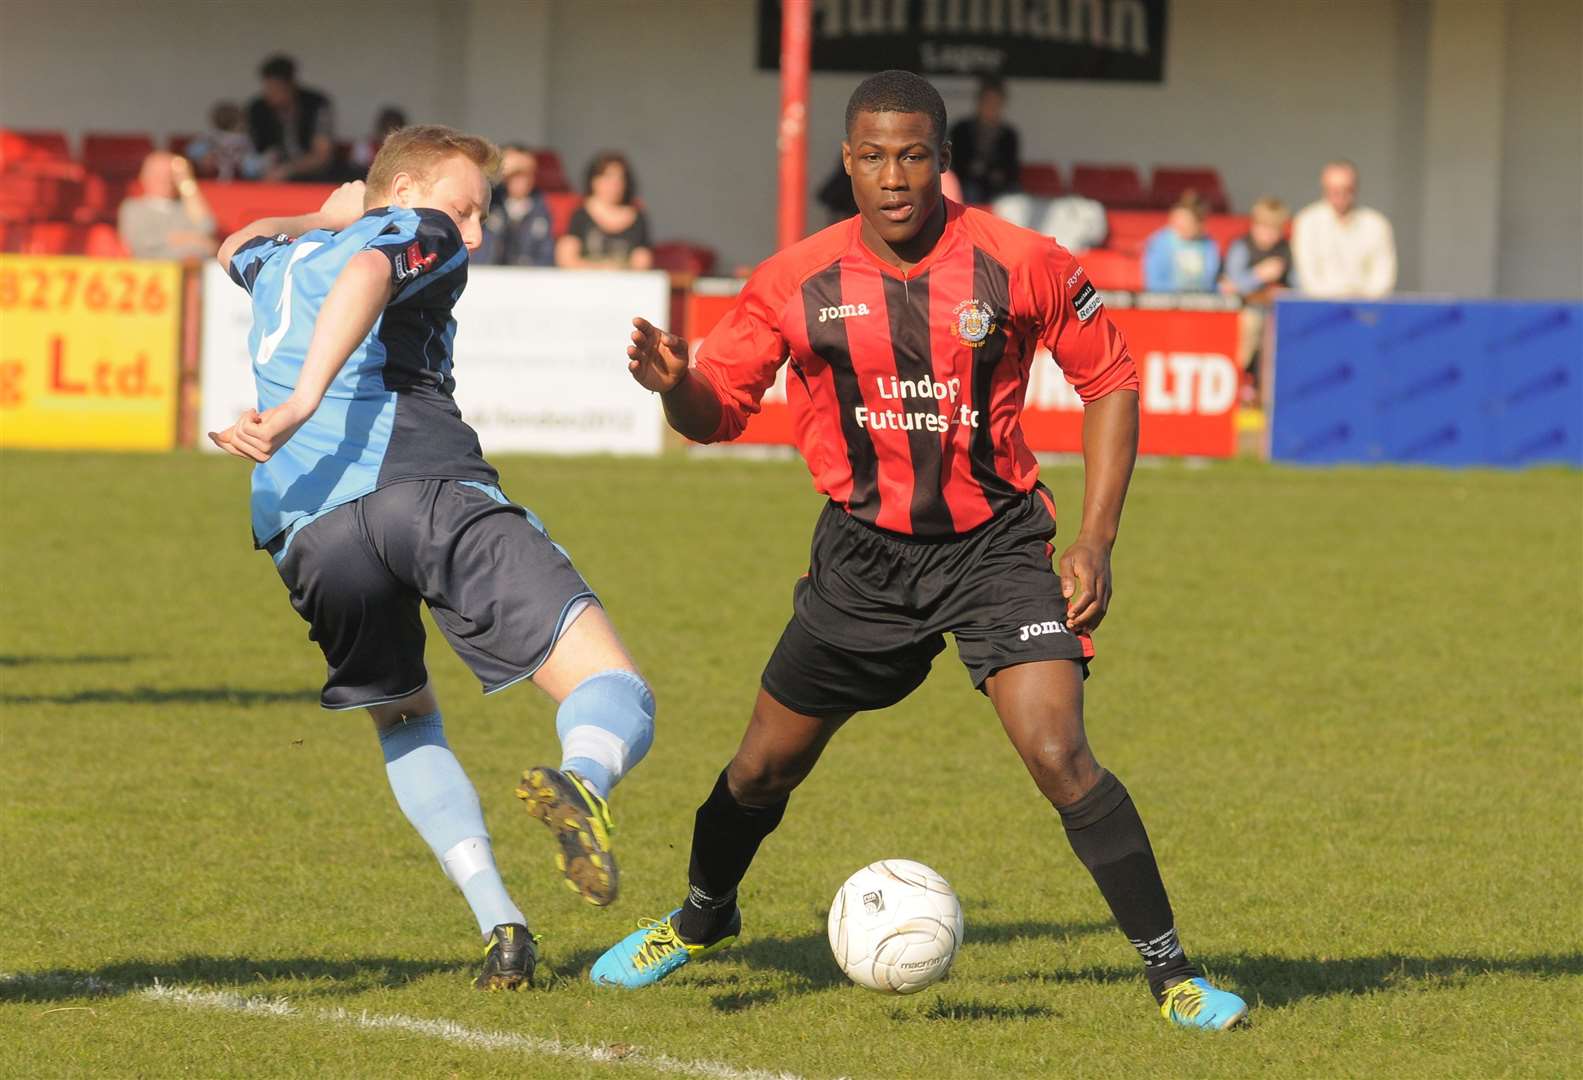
pixel 1181 257
pixel 518 231
pixel 170 220
pixel 1258 266
pixel 390 120
pixel 224 151
pixel 985 149
pixel 293 125
pixel 1342 249
pixel 608 230
pixel 1260 263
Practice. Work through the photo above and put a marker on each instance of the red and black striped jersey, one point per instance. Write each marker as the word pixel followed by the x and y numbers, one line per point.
pixel 907 388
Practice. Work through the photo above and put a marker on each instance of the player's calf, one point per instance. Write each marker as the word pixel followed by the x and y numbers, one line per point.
pixel 606 724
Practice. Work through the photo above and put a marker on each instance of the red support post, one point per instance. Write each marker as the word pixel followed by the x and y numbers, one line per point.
pixel 792 135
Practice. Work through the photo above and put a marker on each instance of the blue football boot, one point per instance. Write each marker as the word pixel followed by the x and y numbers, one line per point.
pixel 1195 1003
pixel 653 951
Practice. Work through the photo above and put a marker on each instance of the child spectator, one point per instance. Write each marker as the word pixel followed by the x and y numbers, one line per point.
pixel 1180 257
pixel 1260 262
pixel 608 231
pixel 224 151
pixel 518 231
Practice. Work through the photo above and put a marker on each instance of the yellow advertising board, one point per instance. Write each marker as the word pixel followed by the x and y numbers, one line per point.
pixel 89 353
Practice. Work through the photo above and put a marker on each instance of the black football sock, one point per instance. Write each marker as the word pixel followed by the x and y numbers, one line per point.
pixel 726 836
pixel 1105 831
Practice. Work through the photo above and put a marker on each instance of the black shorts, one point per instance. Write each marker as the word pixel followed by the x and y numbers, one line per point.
pixel 500 590
pixel 871 614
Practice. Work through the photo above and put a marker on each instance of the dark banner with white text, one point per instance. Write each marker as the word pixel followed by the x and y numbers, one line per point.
pixel 1027 39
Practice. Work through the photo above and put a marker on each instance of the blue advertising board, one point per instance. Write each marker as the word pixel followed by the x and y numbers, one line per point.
pixel 1431 382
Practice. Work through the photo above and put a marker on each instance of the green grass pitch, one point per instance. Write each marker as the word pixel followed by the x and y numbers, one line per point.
pixel 1348 703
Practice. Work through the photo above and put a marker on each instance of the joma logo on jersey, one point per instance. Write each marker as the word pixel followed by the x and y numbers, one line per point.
pixel 1039 629
pixel 844 311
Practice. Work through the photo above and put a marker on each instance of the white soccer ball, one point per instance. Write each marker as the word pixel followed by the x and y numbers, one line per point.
pixel 895 926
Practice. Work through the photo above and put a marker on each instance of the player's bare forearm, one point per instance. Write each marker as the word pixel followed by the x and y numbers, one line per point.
pixel 1110 449
pixel 692 409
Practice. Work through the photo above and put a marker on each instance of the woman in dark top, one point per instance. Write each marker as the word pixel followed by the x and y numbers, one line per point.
pixel 607 231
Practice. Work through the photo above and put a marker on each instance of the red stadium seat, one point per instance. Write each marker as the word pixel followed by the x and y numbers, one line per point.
pixel 562 205
pixel 22 146
pixel 1130 229
pixel 682 257
pixel 1041 179
pixel 1224 228
pixel 51 238
pixel 1116 270
pixel 1171 181
pixel 552 176
pixel 103 242
pixel 177 144
pixel 1113 185
pixel 115 156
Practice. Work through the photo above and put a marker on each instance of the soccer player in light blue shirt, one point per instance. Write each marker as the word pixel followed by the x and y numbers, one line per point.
pixel 372 495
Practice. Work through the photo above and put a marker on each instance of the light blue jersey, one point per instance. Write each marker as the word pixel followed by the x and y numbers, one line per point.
pixel 388 415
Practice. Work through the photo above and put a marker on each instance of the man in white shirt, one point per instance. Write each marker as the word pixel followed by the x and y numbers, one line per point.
pixel 1342 249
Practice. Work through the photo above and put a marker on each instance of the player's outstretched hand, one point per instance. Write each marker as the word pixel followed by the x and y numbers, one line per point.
pixel 1085 582
pixel 344 206
pixel 657 359
pixel 257 435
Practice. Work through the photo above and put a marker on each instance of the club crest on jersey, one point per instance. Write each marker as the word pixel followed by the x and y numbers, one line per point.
pixel 412 262
pixel 975 321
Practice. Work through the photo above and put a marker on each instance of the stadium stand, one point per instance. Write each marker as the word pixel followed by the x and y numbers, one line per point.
pixel 684 257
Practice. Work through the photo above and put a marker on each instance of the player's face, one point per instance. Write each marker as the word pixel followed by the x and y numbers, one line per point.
pixel 458 188
pixel 895 160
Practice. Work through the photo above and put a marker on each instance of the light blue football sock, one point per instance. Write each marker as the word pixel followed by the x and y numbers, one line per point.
pixel 606 725
pixel 439 800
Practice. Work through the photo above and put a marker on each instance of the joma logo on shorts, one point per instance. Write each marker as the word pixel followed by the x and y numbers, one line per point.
pixel 1039 629
pixel 845 311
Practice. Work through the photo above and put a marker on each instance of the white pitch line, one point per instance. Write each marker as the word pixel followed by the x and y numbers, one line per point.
pixel 444 1030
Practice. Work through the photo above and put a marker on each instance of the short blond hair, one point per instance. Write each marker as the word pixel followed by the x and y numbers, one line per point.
pixel 1270 211
pixel 419 148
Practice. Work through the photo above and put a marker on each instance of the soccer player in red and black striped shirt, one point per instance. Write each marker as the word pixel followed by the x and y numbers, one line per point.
pixel 910 330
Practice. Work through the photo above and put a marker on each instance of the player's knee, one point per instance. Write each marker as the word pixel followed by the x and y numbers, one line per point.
pixel 610 716
pixel 759 781
pixel 1061 764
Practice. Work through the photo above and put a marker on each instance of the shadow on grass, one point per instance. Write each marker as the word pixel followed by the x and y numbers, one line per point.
pixel 313 976
pixel 11 660
pixel 942 1008
pixel 1273 981
pixel 805 961
pixel 150 695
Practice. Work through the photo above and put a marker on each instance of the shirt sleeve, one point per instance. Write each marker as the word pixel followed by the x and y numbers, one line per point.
pixel 640 231
pixel 252 256
pixel 1077 331
pixel 739 358
pixel 423 246
pixel 1159 263
pixel 1380 277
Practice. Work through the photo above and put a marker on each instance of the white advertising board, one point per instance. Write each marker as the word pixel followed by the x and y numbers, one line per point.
pixel 540 361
